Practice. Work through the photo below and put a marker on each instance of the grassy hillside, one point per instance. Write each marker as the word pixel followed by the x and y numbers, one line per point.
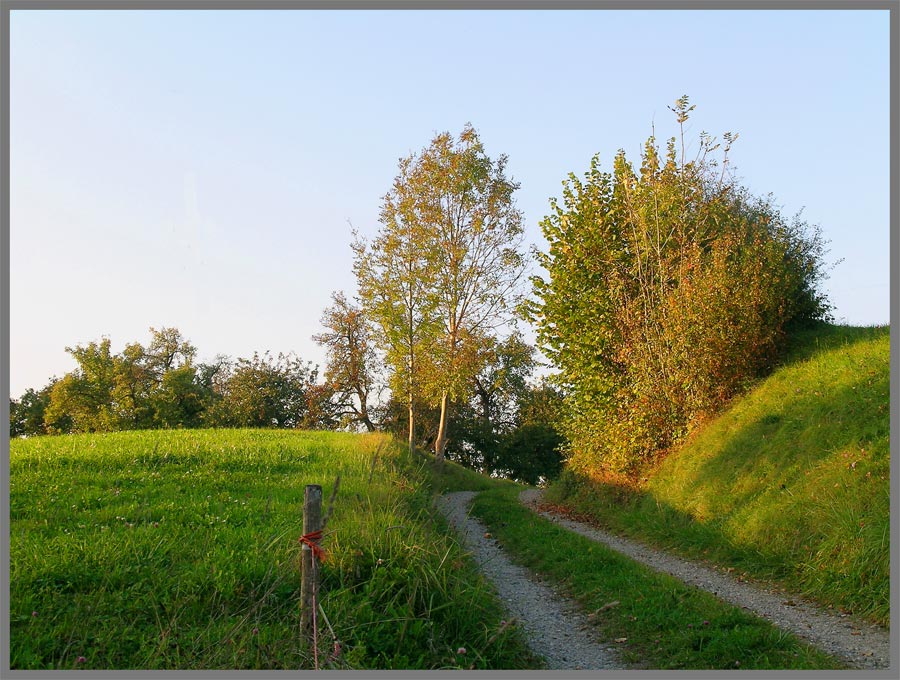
pixel 791 483
pixel 178 550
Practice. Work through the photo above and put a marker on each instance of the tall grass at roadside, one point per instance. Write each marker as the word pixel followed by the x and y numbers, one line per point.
pixel 654 620
pixel 792 483
pixel 178 550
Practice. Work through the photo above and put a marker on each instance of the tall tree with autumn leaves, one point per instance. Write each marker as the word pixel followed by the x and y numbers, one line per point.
pixel 442 275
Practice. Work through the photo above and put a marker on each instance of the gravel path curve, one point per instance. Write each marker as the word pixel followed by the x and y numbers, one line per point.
pixel 859 644
pixel 555 627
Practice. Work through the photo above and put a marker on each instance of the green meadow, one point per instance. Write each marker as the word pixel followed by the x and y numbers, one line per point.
pixel 178 550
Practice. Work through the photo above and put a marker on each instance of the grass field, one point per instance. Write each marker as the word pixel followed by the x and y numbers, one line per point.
pixel 178 550
pixel 792 483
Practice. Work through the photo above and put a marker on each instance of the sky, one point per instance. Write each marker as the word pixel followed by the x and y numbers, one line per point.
pixel 201 169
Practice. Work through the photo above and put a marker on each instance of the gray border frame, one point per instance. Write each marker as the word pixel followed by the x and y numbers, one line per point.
pixel 893 6
pixel 555 5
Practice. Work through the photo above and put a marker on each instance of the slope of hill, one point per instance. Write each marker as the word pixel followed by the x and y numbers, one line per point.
pixel 791 483
pixel 178 550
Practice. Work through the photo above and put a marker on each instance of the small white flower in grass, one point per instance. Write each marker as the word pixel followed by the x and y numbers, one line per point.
pixel 461 650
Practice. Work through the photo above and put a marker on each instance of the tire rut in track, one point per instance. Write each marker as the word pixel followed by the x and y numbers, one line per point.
pixel 555 627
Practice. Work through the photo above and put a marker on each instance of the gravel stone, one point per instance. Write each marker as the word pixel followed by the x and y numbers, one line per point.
pixel 555 627
pixel 858 643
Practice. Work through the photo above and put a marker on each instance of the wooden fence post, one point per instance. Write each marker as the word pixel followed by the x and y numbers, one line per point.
pixel 309 575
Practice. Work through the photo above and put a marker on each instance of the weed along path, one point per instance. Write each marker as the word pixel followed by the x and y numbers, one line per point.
pixel 555 627
pixel 860 645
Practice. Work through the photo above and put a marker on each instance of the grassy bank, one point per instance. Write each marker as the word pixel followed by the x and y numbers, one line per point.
pixel 178 550
pixel 790 484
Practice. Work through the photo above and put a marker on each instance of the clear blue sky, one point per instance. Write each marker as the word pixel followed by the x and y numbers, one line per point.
pixel 198 168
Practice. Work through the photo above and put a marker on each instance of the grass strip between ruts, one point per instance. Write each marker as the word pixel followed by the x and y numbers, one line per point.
pixel 655 620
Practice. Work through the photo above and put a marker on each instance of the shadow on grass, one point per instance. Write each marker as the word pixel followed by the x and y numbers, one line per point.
pixel 805 343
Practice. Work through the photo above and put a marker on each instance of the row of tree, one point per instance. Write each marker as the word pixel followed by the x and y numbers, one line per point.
pixel 161 385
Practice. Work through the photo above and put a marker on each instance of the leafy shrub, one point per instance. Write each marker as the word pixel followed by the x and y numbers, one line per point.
pixel 670 288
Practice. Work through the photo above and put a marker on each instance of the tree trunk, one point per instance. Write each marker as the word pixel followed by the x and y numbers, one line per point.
pixel 485 399
pixel 364 412
pixel 441 442
pixel 412 423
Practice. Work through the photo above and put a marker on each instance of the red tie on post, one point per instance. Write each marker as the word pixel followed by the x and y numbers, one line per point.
pixel 312 540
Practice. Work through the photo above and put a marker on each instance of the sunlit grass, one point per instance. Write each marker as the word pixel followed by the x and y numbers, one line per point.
pixel 178 550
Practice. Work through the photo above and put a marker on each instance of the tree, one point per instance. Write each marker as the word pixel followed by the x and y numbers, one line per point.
pixel 486 413
pixel 161 386
pixel 485 418
pixel 168 350
pixel 531 453
pixel 393 273
pixel 451 214
pixel 16 428
pixel 502 382
pixel 323 411
pixel 670 287
pixel 212 379
pixel 265 392
pixel 26 415
pixel 139 388
pixel 133 389
pixel 532 450
pixel 477 234
pixel 350 371
pixel 541 403
pixel 142 387
pixel 82 400
pixel 178 401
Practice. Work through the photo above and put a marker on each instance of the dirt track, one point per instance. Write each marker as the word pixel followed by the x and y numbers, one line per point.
pixel 859 644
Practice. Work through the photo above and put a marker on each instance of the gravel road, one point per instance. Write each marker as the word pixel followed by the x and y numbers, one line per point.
pixel 859 644
pixel 556 629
